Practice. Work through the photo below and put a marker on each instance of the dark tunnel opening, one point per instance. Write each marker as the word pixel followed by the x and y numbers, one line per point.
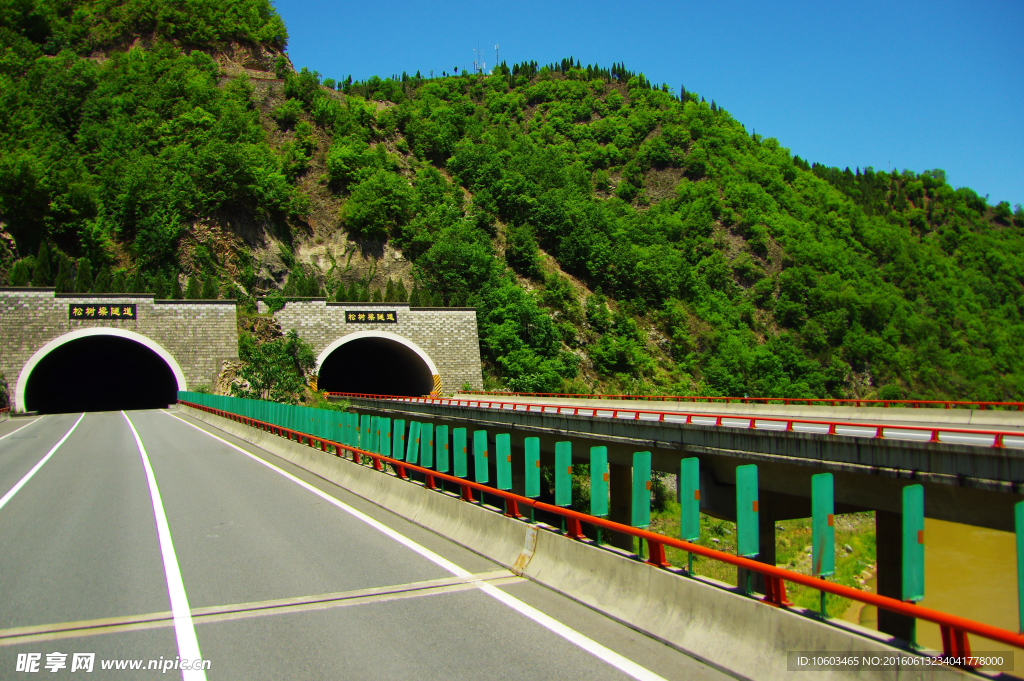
pixel 375 365
pixel 100 373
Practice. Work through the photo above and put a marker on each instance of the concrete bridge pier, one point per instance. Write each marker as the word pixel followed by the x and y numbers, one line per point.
pixel 620 503
pixel 889 554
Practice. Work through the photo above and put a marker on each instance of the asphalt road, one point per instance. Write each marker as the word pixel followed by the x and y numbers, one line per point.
pixel 266 571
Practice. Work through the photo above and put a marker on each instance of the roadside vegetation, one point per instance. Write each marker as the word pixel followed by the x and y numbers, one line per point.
pixel 613 234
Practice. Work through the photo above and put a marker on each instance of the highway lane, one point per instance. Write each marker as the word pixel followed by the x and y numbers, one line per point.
pixel 77 542
pixel 257 553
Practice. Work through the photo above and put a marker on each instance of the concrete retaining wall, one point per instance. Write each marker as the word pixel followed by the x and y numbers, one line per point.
pixel 734 633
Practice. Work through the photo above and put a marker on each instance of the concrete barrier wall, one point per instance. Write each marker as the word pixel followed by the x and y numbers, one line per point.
pixel 734 633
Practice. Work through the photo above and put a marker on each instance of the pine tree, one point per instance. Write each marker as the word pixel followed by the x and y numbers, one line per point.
pixel 353 292
pixel 291 284
pixel 176 293
pixel 437 300
pixel 210 287
pixel 102 283
pixel 414 297
pixel 63 283
pixel 389 292
pixel 340 294
pixel 401 295
pixel 364 294
pixel 20 273
pixel 118 283
pixel 193 289
pixel 42 273
pixel 138 283
pixel 377 297
pixel 159 287
pixel 83 279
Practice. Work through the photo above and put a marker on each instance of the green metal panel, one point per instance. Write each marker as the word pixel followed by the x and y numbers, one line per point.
pixel 480 456
pixel 459 452
pixel 641 512
pixel 441 448
pixel 364 431
pixel 748 541
pixel 599 481
pixel 689 499
pixel 913 543
pixel 427 445
pixel 374 435
pixel 531 446
pixel 385 436
pixel 398 440
pixel 412 447
pixel 503 460
pixel 563 474
pixel 823 531
pixel 1018 517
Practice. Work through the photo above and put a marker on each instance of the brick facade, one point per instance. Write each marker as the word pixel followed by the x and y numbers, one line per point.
pixel 199 335
pixel 447 335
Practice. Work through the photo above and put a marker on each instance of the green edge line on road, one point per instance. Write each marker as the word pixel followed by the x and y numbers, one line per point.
pixel 591 646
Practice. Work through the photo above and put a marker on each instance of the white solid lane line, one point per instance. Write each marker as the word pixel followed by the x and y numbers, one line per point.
pixel 28 476
pixel 607 655
pixel 184 629
pixel 21 428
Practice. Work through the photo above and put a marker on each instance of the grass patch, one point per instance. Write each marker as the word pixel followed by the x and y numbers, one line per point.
pixel 855 552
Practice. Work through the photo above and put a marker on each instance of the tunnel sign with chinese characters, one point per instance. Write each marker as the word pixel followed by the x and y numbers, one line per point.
pixel 101 311
pixel 371 317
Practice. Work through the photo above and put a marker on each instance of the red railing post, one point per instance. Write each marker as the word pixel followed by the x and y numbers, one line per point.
pixel 955 643
pixel 573 529
pixel 656 554
pixel 775 591
pixel 467 493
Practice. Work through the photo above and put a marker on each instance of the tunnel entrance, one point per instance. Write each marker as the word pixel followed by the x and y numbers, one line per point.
pixel 100 373
pixel 376 365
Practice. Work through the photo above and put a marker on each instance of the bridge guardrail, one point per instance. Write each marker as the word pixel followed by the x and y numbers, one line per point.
pixel 807 401
pixel 955 629
pixel 991 438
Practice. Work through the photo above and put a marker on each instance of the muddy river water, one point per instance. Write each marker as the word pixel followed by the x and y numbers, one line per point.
pixel 969 571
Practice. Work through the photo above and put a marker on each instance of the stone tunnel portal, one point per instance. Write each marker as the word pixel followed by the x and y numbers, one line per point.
pixel 381 364
pixel 100 373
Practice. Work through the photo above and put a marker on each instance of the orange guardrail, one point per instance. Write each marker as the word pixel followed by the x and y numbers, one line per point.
pixel 954 628
pixel 807 401
pixel 934 432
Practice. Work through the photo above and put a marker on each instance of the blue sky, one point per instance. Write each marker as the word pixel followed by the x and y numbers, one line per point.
pixel 917 85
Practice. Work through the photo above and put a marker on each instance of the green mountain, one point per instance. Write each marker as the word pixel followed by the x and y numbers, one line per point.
pixel 612 235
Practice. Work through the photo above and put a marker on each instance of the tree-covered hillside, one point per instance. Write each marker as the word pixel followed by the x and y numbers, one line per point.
pixel 611 234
